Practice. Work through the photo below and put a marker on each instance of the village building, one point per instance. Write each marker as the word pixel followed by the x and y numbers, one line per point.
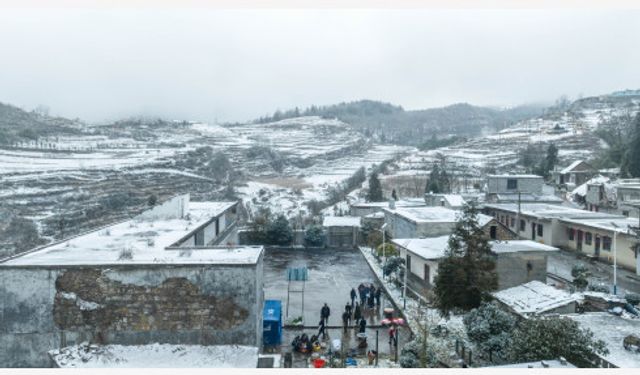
pixel 628 197
pixel 517 261
pixel 161 277
pixel 602 238
pixel 601 196
pixel 586 232
pixel 374 220
pixel 452 201
pixel 535 298
pixel 578 195
pixel 341 231
pixel 362 208
pixel 524 188
pixel 575 174
pixel 416 222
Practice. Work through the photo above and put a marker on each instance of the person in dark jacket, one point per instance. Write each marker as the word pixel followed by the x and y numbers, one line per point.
pixel 345 321
pixel 363 325
pixel 371 300
pixel 393 336
pixel 324 313
pixel 357 314
pixel 321 329
pixel 348 309
pixel 378 294
pixel 353 296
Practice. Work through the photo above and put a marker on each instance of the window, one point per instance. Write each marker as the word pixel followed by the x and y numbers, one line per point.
pixel 588 238
pixel 408 263
pixel 512 184
pixel 572 234
pixel 513 222
pixel 492 232
pixel 625 213
pixel 606 243
pixel 522 225
pixel 540 230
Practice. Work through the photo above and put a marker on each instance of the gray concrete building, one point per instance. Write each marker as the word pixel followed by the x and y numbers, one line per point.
pixel 147 280
pixel 514 188
pixel 341 231
pixel 517 262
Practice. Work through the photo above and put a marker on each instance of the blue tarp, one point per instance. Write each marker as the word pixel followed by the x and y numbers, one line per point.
pixel 297 274
pixel 272 322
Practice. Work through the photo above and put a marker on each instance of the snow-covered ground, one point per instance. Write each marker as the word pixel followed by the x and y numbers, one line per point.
pixel 156 355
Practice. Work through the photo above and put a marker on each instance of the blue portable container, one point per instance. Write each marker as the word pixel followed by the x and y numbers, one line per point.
pixel 272 322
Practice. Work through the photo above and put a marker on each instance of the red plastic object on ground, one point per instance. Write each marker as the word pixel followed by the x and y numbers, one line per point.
pixel 319 362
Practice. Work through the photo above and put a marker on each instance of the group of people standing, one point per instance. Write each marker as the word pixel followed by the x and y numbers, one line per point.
pixel 365 297
pixel 369 297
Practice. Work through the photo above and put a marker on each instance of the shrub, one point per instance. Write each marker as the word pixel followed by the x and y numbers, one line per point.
pixel 314 236
pixel 392 265
pixel 490 328
pixel 388 249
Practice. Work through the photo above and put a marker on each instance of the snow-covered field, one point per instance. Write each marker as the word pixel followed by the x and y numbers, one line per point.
pixel 572 133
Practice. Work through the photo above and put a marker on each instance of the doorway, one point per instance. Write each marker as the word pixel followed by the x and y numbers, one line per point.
pixel 579 240
pixel 533 231
pixel 597 247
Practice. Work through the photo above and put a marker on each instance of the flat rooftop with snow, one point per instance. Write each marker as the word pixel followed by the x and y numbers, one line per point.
pixel 177 232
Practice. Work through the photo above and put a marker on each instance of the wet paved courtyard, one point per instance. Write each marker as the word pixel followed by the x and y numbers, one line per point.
pixel 332 274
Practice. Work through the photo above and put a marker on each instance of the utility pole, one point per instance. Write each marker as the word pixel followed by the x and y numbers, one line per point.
pixel 404 288
pixel 615 259
pixel 518 217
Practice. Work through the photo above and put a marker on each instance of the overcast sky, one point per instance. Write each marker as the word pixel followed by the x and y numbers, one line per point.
pixel 235 65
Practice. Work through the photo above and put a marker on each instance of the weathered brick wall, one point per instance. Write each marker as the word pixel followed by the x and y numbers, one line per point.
pixel 502 233
pixel 47 308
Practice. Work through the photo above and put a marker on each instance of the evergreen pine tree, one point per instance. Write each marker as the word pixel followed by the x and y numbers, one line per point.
pixel 375 189
pixel 394 195
pixel 433 183
pixel 631 160
pixel 467 273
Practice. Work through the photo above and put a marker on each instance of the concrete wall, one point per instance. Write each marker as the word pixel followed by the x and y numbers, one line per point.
pixel 498 185
pixel 45 308
pixel 363 211
pixel 342 237
pixel 400 227
pixel 209 231
pixel 521 267
pixel 176 207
